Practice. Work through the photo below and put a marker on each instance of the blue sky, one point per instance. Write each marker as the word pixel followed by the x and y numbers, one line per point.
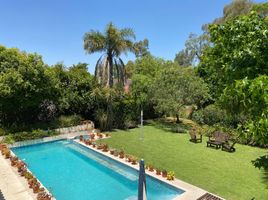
pixel 55 28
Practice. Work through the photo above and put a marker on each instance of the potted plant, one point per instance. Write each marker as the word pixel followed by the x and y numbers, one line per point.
pixel 112 151
pixel 21 166
pixel 164 173
pixel 88 142
pixel 92 136
pixel 121 154
pixel 6 152
pixel 14 160
pixel 151 168
pixel 94 144
pixel 105 148
pixel 134 160
pixel 43 196
pixel 3 146
pixel 158 171
pixel 100 146
pixel 128 158
pixel 171 176
pixel 116 153
pixel 36 187
pixel 23 171
pixel 32 182
pixel 28 175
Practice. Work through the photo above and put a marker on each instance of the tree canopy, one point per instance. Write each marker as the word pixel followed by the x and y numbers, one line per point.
pixel 24 85
pixel 175 88
pixel 239 50
pixel 113 42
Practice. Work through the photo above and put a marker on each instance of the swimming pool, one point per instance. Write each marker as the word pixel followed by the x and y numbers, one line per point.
pixel 73 172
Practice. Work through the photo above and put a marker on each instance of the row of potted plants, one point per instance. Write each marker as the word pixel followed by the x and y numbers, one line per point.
pixel 94 136
pixel 128 158
pixel 33 183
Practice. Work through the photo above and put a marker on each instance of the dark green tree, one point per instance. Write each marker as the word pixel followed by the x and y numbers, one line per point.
pixel 249 98
pixel 24 86
pixel 240 49
pixel 75 85
pixel 177 87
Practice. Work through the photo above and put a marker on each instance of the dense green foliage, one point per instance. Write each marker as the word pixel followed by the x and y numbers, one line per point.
pixel 35 134
pixel 24 86
pixel 249 98
pixel 231 176
pixel 210 115
pixel 240 50
pixel 74 86
pixel 175 88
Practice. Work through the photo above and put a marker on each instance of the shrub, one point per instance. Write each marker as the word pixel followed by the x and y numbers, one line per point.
pixel 9 139
pixel 170 176
pixel 67 121
pixel 2 132
pixel 35 134
pixel 210 115
pixel 178 129
pixel 129 124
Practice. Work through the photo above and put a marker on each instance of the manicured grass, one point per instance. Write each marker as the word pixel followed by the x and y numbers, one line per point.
pixel 230 175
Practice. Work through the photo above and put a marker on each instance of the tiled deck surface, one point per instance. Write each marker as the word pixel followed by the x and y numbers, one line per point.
pixel 12 185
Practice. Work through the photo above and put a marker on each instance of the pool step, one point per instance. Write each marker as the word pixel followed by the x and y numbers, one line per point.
pixel 106 163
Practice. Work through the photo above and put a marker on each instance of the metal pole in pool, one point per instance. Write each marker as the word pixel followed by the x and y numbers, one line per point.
pixel 141 135
pixel 142 182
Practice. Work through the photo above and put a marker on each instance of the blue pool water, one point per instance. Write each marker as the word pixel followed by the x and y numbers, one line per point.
pixel 73 172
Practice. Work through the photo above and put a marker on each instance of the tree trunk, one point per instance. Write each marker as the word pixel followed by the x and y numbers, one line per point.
pixel 177 119
pixel 110 73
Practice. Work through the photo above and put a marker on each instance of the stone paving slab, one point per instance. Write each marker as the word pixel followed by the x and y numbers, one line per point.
pixel 12 185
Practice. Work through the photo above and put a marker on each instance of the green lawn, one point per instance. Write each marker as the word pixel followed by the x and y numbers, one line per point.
pixel 230 175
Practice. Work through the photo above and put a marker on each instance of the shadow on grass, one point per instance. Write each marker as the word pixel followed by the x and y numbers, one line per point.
pixel 262 163
pixel 169 126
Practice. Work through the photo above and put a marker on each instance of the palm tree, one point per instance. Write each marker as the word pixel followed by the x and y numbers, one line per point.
pixel 113 42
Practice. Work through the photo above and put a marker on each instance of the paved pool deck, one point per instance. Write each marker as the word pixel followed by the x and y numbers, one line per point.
pixel 13 186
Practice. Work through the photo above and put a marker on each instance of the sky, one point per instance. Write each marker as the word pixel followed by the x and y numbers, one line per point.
pixel 55 28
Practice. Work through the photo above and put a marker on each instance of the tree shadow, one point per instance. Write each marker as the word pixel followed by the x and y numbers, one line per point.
pixel 262 164
pixel 170 126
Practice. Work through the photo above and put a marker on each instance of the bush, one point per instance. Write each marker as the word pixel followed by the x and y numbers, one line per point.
pixel 2 132
pixel 178 129
pixel 8 139
pixel 67 121
pixel 129 124
pixel 210 115
pixel 35 134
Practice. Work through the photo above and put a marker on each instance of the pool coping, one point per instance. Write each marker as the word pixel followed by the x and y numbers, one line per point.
pixel 191 192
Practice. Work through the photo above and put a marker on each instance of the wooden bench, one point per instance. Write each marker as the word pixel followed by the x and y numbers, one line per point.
pixel 217 139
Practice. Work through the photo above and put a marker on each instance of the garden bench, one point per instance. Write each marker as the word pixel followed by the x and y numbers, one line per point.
pixel 194 136
pixel 217 139
pixel 227 147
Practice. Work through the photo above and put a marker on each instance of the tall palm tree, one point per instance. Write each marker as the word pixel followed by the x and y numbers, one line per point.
pixel 113 42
